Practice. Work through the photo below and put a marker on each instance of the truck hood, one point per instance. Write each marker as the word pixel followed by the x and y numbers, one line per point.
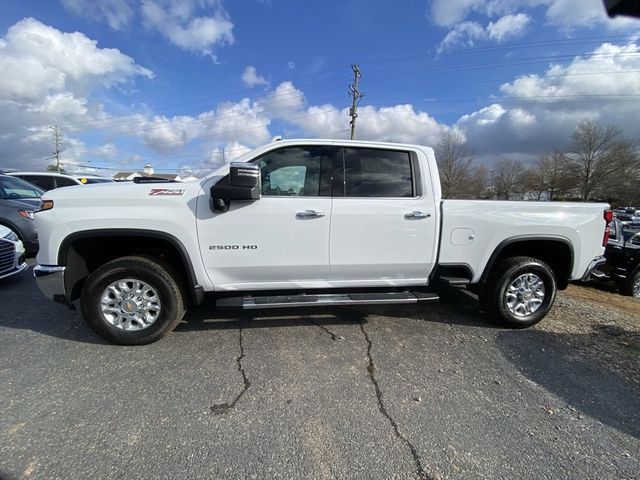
pixel 105 194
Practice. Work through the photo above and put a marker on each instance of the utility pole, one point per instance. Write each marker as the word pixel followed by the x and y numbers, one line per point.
pixel 356 95
pixel 57 144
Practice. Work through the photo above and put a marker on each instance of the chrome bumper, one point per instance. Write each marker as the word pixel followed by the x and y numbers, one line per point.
pixel 20 268
pixel 592 266
pixel 50 280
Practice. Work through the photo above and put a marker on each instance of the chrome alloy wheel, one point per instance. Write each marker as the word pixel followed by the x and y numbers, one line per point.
pixel 130 304
pixel 525 295
pixel 636 287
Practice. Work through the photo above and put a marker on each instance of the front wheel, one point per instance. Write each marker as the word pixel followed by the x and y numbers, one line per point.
pixel 132 301
pixel 519 293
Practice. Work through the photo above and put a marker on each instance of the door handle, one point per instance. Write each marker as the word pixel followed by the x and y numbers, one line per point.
pixel 309 214
pixel 416 215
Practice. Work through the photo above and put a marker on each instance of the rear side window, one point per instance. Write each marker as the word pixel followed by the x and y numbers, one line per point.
pixel 377 173
pixel 95 180
pixel 42 181
pixel 65 182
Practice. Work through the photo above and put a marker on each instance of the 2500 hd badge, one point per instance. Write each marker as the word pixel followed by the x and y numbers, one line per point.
pixel 233 247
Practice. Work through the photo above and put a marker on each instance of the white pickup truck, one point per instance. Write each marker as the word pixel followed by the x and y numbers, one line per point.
pixel 302 223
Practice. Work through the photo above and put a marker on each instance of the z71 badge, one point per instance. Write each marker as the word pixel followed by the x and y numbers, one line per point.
pixel 165 191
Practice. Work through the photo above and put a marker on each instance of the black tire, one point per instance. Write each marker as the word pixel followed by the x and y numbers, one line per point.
pixel 626 287
pixel 493 299
pixel 152 273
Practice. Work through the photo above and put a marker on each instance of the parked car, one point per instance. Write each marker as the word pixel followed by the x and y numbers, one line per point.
pixel 12 254
pixel 302 223
pixel 627 216
pixel 622 255
pixel 52 180
pixel 18 201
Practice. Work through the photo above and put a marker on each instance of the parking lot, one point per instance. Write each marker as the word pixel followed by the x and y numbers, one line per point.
pixel 429 391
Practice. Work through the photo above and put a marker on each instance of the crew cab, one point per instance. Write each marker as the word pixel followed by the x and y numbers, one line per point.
pixel 303 223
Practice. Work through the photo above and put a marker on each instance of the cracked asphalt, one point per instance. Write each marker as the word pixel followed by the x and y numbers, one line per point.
pixel 430 391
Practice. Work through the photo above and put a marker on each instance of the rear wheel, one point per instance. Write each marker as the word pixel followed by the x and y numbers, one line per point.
pixel 631 286
pixel 132 301
pixel 519 293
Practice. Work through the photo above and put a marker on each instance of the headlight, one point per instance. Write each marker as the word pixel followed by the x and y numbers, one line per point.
pixel 46 205
pixel 26 214
pixel 12 236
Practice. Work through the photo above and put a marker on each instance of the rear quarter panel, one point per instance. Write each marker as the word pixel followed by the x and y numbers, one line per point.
pixel 473 229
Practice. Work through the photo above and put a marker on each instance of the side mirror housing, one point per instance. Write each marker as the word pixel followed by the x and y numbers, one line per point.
pixel 242 183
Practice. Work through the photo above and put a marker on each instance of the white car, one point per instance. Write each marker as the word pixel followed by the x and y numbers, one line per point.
pixel 52 180
pixel 302 223
pixel 12 255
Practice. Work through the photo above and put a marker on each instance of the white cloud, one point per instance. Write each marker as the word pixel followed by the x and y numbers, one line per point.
pixel 447 13
pixel 507 18
pixel 177 21
pixel 228 153
pixel 568 14
pixel 107 150
pixel 284 102
pixel 47 78
pixel 251 78
pixel 509 26
pixel 117 13
pixel 542 111
pixel 463 34
pixel 467 34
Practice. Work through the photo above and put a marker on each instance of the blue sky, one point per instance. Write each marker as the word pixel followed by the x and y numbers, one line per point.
pixel 174 82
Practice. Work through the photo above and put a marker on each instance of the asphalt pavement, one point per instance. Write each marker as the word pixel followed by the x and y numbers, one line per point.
pixel 430 391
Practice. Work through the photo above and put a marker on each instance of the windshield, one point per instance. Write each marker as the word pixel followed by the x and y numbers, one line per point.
pixel 14 188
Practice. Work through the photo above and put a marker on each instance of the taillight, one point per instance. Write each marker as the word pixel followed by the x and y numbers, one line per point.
pixel 608 216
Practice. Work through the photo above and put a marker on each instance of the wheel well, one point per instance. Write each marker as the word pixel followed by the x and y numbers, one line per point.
pixel 83 255
pixel 558 254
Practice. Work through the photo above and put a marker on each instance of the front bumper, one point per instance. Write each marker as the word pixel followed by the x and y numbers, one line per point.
pixel 593 266
pixel 20 268
pixel 50 280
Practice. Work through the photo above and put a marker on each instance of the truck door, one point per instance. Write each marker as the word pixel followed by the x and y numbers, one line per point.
pixel 281 240
pixel 383 222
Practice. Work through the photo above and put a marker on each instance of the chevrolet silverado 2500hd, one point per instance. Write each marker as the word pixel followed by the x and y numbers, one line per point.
pixel 305 223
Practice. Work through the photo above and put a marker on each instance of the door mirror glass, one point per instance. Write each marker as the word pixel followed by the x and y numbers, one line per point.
pixel 242 183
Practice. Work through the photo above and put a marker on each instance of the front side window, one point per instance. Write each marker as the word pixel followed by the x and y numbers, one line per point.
pixel 294 171
pixel 14 188
pixel 377 173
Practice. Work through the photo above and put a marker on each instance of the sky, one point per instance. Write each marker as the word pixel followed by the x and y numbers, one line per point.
pixel 188 84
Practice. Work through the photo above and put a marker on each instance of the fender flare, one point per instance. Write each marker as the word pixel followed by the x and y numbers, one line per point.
pixel 521 239
pixel 195 290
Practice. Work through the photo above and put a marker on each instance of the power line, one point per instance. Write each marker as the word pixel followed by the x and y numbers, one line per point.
pixel 323 85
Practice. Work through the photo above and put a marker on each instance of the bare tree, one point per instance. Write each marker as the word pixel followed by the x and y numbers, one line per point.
pixel 454 164
pixel 479 183
pixel 507 178
pixel 557 173
pixel 533 182
pixel 599 157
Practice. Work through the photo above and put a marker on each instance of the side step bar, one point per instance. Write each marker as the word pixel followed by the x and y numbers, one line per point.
pixel 453 281
pixel 325 299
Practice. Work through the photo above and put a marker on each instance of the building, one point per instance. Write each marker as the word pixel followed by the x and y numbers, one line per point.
pixel 148 172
